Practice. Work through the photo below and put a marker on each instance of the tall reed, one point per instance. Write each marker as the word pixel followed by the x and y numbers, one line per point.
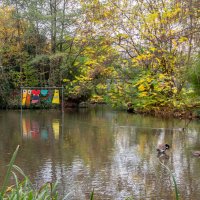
pixel 174 180
pixel 24 189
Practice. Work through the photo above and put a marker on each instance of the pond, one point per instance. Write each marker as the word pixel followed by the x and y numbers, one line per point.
pixel 112 152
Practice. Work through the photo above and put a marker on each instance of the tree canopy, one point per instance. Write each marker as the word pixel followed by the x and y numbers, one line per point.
pixel 143 52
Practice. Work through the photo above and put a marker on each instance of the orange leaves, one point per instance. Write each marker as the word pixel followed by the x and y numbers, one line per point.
pixel 7 25
pixel 11 31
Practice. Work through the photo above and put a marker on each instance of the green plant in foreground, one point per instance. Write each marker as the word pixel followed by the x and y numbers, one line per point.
pixel 174 180
pixel 92 195
pixel 25 189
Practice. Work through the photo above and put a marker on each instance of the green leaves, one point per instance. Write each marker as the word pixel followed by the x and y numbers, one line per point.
pixel 25 189
pixel 8 173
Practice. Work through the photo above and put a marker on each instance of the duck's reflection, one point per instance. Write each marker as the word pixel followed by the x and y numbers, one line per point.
pixel 163 157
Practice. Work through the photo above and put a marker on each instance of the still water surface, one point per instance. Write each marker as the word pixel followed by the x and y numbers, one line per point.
pixel 111 151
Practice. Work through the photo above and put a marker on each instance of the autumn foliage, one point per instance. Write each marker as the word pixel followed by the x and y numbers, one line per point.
pixel 143 52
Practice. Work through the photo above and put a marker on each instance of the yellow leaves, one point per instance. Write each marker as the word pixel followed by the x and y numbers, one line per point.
pixel 6 12
pixel 109 71
pixel 97 21
pixel 10 29
pixel 119 87
pixel 148 79
pixel 174 42
pixel 152 49
pixel 107 13
pixel 125 61
pixel 82 78
pixel 102 58
pixel 144 84
pixel 179 41
pixel 96 98
pixel 89 50
pixel 66 80
pixel 143 94
pixel 171 14
pixel 141 88
pixel 91 62
pixel 176 104
pixel 174 90
pixel 6 23
pixel 84 40
pixel 157 88
pixel 101 86
pixel 76 89
pixel 76 63
pixel 123 36
pixel 152 17
pixel 161 76
pixel 143 57
pixel 182 39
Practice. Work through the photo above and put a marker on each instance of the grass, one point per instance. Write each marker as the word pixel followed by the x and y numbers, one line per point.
pixel 174 181
pixel 92 195
pixel 24 189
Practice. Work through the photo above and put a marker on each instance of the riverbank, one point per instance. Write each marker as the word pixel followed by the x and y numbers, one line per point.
pixel 167 112
pixel 190 112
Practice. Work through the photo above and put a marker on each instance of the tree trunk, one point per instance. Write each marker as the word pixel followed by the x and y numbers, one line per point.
pixel 53 25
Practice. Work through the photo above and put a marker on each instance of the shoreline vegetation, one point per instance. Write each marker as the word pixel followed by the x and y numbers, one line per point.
pixel 187 112
pixel 165 112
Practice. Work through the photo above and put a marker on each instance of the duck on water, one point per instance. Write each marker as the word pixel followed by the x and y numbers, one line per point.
pixel 196 153
pixel 162 148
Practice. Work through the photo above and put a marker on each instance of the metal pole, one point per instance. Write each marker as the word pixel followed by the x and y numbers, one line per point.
pixel 21 98
pixel 42 87
pixel 62 126
pixel 62 100
pixel 21 128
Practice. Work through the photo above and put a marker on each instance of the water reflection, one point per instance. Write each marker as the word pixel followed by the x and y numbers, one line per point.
pixel 112 152
pixel 35 128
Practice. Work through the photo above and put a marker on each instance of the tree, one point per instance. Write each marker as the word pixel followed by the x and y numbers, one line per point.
pixel 154 38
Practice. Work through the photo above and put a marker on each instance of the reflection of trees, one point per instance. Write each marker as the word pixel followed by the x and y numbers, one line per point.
pixel 9 134
pixel 85 139
pixel 88 139
pixel 112 152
